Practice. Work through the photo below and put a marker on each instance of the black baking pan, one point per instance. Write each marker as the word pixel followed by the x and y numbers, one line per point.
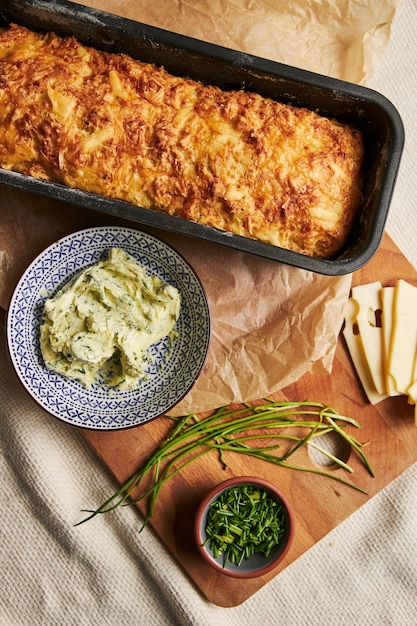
pixel 369 111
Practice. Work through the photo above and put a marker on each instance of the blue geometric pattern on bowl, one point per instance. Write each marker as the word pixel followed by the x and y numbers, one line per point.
pixel 169 377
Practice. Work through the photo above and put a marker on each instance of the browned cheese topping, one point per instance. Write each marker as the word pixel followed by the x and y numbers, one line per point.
pixel 236 161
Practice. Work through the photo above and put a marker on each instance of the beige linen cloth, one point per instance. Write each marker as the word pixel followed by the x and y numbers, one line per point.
pixel 364 572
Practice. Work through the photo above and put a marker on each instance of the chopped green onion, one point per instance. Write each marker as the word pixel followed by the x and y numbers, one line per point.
pixel 256 525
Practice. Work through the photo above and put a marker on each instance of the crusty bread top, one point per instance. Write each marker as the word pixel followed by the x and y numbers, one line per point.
pixel 125 129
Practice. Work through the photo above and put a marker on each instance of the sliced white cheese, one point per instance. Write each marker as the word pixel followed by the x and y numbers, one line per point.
pixel 412 399
pixel 402 353
pixel 414 378
pixel 354 344
pixel 412 393
pixel 368 302
pixel 387 305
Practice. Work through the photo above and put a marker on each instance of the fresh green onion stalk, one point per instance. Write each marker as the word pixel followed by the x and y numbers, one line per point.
pixel 240 431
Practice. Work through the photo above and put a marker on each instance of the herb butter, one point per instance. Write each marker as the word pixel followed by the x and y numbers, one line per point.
pixel 99 326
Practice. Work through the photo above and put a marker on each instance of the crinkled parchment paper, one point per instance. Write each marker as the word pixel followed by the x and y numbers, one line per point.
pixel 271 323
pixel 339 38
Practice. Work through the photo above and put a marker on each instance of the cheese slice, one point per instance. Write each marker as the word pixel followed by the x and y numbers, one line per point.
pixel 412 393
pixel 412 399
pixel 387 305
pixel 368 302
pixel 402 352
pixel 355 347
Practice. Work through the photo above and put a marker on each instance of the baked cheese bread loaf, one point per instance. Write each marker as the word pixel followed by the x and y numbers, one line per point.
pixel 118 127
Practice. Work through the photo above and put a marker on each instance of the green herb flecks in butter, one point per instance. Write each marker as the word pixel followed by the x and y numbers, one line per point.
pixel 100 325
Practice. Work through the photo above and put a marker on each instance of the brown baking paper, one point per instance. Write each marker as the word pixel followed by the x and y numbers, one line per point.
pixel 342 39
pixel 271 323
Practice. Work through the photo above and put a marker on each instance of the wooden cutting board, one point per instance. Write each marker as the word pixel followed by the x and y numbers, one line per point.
pixel 319 504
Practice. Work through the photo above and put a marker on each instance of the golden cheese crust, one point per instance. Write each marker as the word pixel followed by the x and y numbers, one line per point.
pixel 125 129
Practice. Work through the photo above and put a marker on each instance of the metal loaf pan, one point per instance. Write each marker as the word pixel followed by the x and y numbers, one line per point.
pixel 366 109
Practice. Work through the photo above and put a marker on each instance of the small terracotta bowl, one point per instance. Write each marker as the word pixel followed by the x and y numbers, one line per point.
pixel 257 564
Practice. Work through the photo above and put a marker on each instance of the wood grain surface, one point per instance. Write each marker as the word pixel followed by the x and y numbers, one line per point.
pixel 319 504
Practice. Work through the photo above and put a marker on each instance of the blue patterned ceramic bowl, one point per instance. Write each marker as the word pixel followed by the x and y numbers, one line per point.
pixel 100 407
